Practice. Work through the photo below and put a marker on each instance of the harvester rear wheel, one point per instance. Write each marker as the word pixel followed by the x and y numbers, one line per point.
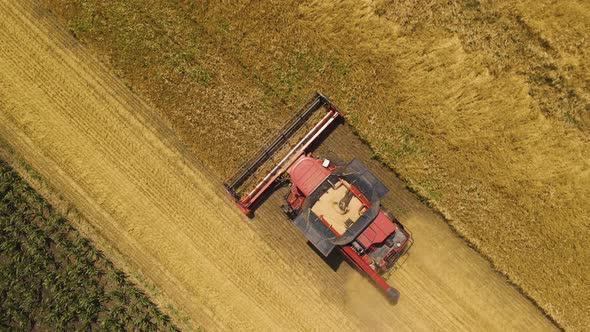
pixel 391 216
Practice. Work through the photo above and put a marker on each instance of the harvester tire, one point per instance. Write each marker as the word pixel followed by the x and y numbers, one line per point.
pixel 288 211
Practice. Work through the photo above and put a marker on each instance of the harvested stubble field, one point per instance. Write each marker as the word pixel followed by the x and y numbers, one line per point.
pixel 482 107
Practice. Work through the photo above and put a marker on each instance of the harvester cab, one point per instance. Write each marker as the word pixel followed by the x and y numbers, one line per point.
pixel 333 205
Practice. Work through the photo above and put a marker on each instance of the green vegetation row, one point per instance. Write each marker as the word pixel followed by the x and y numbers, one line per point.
pixel 52 278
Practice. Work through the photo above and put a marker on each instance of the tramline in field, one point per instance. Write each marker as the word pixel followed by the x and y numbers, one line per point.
pixel 335 205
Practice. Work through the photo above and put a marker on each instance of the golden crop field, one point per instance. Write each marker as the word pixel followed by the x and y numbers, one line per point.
pixel 481 107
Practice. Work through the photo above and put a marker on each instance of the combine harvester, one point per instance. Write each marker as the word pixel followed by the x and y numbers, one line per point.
pixel 334 205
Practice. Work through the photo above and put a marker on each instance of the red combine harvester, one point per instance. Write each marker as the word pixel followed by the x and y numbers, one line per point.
pixel 334 205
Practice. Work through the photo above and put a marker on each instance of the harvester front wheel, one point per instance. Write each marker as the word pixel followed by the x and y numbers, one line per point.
pixel 288 210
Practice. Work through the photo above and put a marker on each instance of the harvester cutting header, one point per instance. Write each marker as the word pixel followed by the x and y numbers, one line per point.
pixel 334 205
